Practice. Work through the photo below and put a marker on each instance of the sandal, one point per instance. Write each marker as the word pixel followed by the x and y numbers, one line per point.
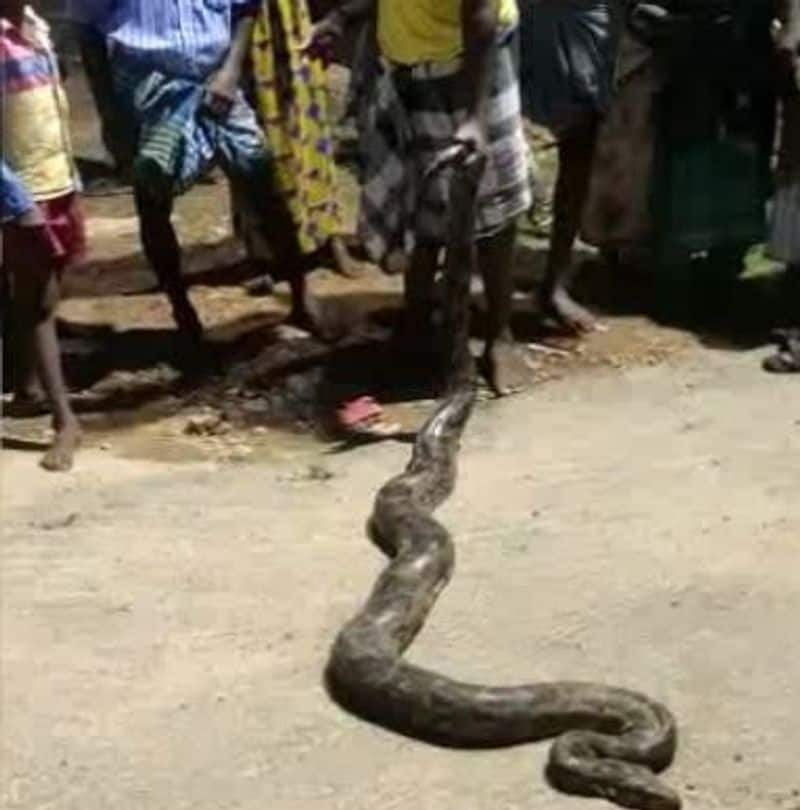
pixel 363 418
pixel 787 359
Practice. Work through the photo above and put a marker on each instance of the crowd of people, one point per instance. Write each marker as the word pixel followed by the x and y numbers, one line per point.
pixel 666 114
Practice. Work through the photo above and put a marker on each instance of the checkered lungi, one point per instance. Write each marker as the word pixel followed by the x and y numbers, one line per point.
pixel 177 133
pixel 411 118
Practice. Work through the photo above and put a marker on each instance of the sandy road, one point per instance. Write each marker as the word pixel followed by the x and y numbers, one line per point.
pixel 165 626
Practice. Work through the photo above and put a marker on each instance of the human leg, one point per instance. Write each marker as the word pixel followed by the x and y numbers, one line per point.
pixel 246 159
pixel 418 295
pixel 36 292
pixel 501 365
pixel 576 150
pixel 28 394
pixel 154 202
pixel 118 136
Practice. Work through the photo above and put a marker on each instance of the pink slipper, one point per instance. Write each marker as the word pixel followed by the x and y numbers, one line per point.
pixel 364 417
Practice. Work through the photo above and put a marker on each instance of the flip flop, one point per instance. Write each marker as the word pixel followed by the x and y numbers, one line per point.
pixel 787 359
pixel 363 418
pixel 783 362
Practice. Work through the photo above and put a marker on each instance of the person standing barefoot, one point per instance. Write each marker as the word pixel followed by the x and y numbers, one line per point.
pixel 42 224
pixel 784 243
pixel 448 84
pixel 289 92
pixel 566 65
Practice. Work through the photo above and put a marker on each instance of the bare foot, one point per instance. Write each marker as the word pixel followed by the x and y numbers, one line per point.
pixel 261 286
pixel 569 313
pixel 60 456
pixel 311 318
pixel 504 369
pixel 346 265
pixel 188 322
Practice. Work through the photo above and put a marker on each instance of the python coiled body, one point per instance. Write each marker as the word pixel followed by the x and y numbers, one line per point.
pixel 609 742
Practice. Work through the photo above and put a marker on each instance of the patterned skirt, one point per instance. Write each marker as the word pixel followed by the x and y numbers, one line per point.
pixel 292 101
pixel 411 118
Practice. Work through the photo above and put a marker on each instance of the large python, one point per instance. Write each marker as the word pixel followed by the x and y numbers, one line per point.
pixel 609 742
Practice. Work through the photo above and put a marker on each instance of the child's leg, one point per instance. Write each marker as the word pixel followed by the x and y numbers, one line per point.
pixel 27 390
pixel 36 296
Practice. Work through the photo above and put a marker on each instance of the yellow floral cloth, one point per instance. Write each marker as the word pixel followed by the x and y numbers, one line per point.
pixel 293 105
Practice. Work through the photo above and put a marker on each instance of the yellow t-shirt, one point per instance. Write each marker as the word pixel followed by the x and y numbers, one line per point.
pixel 414 31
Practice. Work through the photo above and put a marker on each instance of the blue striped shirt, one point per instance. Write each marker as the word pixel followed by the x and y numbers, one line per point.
pixel 186 39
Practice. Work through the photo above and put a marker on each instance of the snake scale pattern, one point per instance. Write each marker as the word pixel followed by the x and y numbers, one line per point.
pixel 608 743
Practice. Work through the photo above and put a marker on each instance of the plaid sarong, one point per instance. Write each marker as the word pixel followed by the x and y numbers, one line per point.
pixel 410 119
pixel 177 133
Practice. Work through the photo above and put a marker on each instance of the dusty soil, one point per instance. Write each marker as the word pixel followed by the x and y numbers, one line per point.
pixel 165 626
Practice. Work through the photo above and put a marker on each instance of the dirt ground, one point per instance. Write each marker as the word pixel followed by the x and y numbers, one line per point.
pixel 168 607
pixel 165 626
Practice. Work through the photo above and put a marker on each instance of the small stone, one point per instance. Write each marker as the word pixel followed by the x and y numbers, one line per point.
pixel 317 473
pixel 256 407
pixel 240 452
pixel 738 758
pixel 207 424
pixel 260 430
pixel 105 447
pixel 59 523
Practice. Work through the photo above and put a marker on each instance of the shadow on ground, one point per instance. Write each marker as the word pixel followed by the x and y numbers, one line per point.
pixel 255 375
pixel 721 309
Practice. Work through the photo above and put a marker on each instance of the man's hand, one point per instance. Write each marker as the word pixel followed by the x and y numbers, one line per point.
pixel 325 36
pixel 221 91
pixel 472 135
pixel 470 142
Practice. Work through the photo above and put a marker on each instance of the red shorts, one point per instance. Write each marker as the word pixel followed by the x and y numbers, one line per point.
pixel 61 239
